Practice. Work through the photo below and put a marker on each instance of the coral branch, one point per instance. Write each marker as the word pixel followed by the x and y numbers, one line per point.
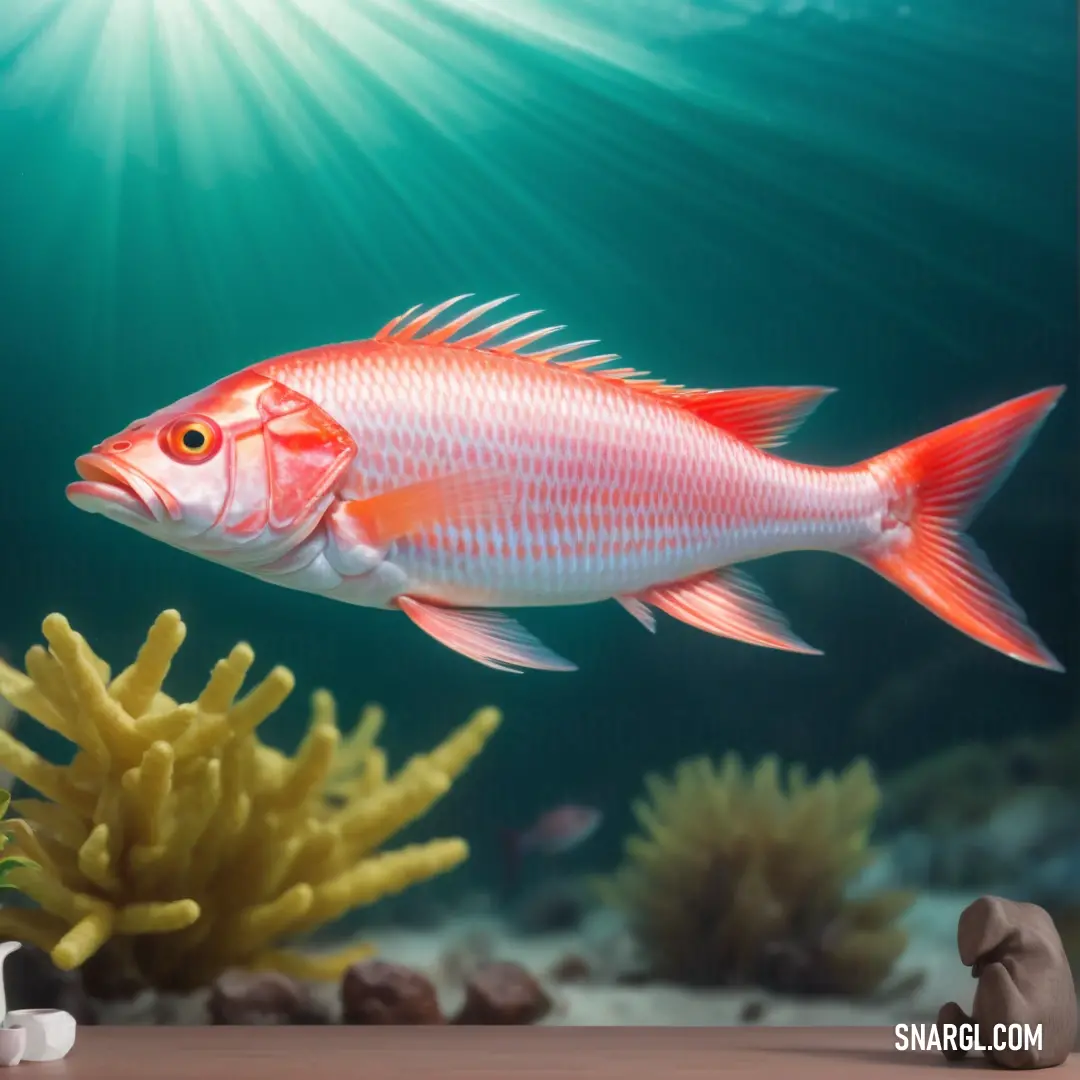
pixel 176 826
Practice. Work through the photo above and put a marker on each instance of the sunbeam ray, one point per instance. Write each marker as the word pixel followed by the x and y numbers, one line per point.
pixel 461 127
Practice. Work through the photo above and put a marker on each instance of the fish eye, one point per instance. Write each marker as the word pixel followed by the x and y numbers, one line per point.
pixel 191 439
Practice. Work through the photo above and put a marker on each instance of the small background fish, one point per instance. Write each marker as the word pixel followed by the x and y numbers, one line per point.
pixel 556 831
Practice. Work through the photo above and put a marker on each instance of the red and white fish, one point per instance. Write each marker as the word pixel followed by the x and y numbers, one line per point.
pixel 444 475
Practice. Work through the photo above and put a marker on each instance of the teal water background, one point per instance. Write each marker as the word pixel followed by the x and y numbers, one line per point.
pixel 884 202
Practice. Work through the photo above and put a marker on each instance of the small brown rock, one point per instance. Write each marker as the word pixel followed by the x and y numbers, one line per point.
pixel 263 998
pixel 375 992
pixel 1015 952
pixel 571 968
pixel 752 1012
pixel 503 993
pixel 557 905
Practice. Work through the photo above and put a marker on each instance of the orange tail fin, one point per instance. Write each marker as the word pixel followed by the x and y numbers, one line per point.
pixel 939 482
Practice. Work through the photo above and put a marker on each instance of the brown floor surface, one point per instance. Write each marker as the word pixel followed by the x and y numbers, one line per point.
pixel 338 1053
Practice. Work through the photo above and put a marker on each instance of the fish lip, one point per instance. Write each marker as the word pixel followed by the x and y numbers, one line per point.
pixel 105 480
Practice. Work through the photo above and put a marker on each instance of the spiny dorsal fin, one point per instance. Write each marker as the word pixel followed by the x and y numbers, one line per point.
pixel 764 416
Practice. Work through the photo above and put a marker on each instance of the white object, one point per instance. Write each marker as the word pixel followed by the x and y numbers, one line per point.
pixel 12 1046
pixel 6 949
pixel 50 1033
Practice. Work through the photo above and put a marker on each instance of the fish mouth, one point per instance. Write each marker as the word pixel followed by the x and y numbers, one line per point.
pixel 116 491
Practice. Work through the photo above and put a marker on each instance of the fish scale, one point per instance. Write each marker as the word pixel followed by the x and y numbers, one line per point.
pixel 594 461
pixel 435 471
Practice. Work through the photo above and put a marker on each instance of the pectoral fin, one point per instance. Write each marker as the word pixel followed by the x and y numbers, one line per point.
pixel 472 496
pixel 489 637
pixel 731 604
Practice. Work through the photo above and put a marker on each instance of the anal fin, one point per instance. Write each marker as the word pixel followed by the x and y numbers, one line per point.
pixel 639 610
pixel 728 603
pixel 488 637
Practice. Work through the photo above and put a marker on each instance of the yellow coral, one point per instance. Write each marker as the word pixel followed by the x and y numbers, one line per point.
pixel 179 837
pixel 739 882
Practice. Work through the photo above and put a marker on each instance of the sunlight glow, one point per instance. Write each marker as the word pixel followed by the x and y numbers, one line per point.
pixel 234 76
pixel 439 133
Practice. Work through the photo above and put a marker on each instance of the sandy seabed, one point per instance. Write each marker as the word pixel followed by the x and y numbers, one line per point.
pixel 448 953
